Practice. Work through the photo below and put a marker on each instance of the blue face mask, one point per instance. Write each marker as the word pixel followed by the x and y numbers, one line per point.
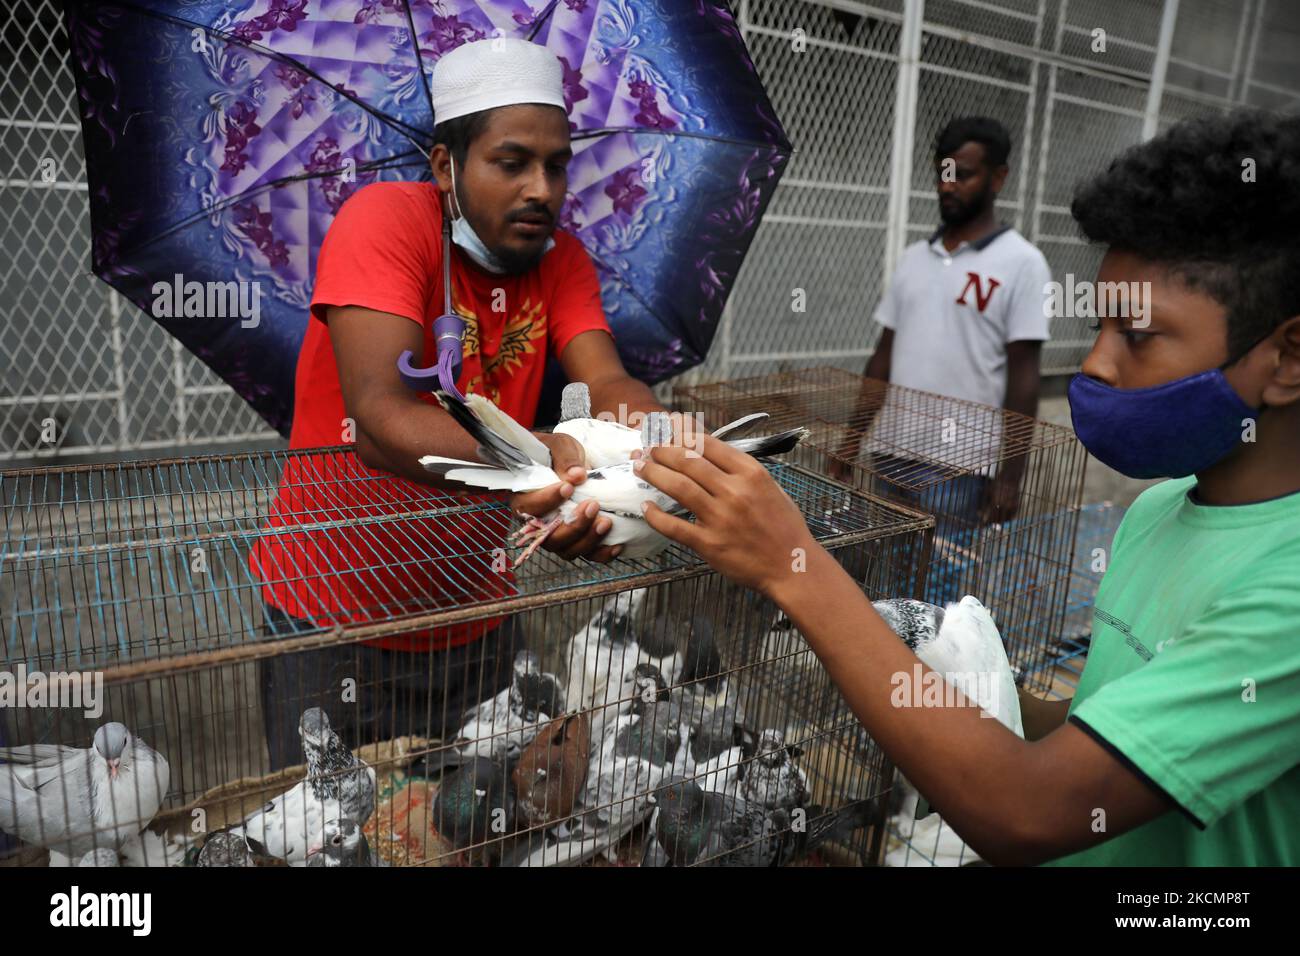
pixel 1163 431
pixel 463 234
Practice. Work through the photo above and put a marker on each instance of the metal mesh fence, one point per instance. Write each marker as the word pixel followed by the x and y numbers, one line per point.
pixel 862 88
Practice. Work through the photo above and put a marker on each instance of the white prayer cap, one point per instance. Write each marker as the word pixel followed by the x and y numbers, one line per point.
pixel 500 71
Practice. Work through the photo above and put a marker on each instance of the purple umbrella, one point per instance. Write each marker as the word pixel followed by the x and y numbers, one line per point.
pixel 222 137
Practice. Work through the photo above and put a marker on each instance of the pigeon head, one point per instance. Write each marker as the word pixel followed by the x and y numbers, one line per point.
pixel 619 627
pixel 575 401
pixel 342 843
pixel 101 857
pixel 111 742
pixel 314 726
pixel 659 639
pixel 648 687
pixel 325 753
pixel 539 693
pixel 527 662
pixel 772 751
pixel 916 622
pixel 678 795
pixel 656 429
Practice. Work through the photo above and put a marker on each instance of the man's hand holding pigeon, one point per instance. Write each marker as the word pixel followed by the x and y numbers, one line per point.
pixel 581 538
pixel 745 526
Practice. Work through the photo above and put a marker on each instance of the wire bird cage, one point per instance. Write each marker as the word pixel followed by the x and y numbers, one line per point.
pixel 937 454
pixel 219 610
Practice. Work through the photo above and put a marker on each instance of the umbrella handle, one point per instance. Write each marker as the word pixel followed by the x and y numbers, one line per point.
pixel 448 330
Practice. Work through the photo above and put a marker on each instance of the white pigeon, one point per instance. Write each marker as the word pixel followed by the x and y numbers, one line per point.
pixel 603 658
pixel 72 800
pixel 604 650
pixel 338 784
pixel 513 459
pixel 928 841
pixel 962 643
pixel 502 726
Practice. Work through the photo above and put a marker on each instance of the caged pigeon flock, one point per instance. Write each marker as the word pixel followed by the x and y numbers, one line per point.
pixel 84 805
pixel 648 706
pixel 514 460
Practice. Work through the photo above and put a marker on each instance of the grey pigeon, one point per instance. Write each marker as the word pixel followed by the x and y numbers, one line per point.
pixel 103 857
pixel 225 848
pixel 698 827
pixel 652 736
pixel 772 779
pixel 718 729
pixel 72 800
pixel 702 660
pixel 502 726
pixel 340 774
pixel 337 784
pixel 694 827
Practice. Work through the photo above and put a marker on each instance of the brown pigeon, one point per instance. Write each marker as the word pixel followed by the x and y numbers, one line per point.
pixel 552 770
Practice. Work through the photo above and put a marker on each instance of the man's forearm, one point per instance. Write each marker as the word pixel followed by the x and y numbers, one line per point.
pixel 393 434
pixel 1023 383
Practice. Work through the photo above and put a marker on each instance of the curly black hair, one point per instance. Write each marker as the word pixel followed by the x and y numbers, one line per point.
pixel 989 133
pixel 1186 200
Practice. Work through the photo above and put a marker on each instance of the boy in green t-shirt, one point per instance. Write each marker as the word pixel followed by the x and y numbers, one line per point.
pixel 1182 746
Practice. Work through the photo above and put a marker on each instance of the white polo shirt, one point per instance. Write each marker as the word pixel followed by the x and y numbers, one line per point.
pixel 953 314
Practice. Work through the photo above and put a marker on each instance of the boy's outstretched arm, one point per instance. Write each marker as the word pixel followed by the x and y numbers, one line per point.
pixel 1013 801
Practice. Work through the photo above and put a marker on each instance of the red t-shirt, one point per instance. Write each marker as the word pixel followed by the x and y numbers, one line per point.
pixel 384 252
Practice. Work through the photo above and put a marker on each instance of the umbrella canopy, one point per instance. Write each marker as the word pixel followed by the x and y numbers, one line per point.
pixel 222 137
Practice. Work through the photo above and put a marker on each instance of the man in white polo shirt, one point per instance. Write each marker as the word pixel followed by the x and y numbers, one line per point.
pixel 964 317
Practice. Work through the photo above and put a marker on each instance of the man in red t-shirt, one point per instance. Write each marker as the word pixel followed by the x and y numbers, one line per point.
pixel 526 291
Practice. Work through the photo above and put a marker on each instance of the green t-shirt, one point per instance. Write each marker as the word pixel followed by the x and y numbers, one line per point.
pixel 1193 677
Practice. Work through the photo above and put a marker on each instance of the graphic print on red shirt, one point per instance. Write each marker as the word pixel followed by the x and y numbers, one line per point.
pixel 384 252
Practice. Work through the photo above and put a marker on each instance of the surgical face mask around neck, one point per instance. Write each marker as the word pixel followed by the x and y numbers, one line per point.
pixel 463 234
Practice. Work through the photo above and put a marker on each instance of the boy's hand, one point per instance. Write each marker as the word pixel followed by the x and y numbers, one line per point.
pixel 582 539
pixel 745 526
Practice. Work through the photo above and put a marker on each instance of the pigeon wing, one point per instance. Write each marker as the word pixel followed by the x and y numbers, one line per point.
pixel 502 440
pixel 777 444
pixel 740 426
